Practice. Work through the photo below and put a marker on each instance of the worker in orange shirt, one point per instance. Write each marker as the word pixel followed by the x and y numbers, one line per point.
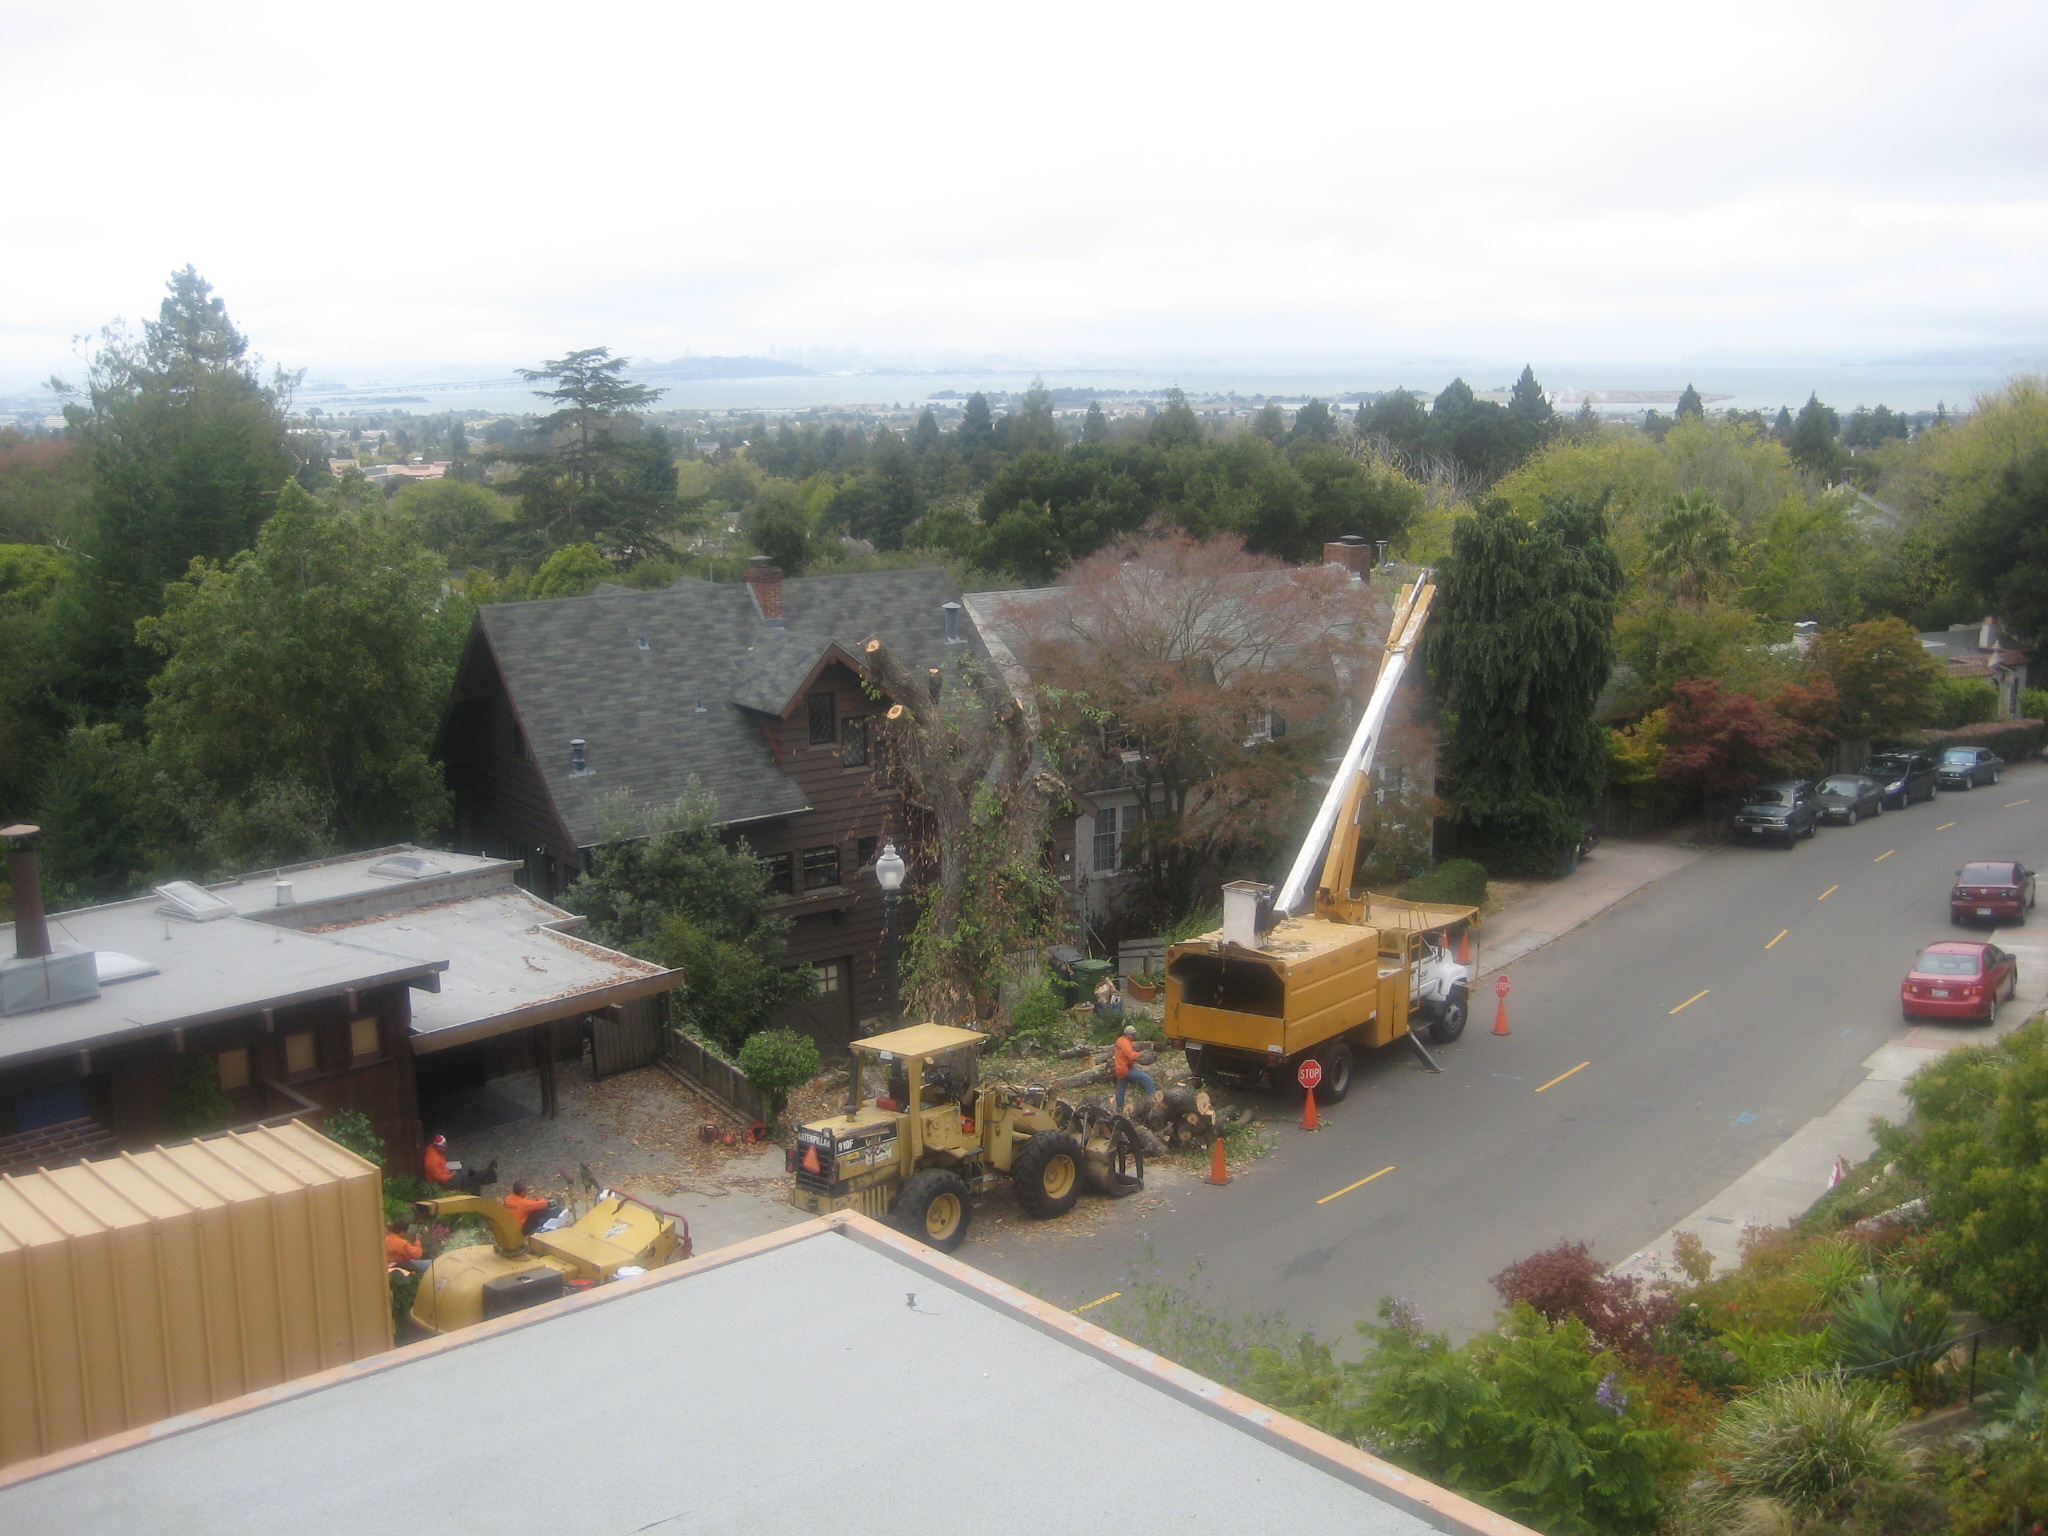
pixel 400 1251
pixel 526 1207
pixel 453 1175
pixel 1127 1068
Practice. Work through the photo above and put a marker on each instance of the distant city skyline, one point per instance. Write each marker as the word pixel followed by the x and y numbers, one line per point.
pixel 406 189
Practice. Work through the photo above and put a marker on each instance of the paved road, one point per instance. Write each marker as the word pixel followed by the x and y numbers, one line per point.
pixel 1714 1014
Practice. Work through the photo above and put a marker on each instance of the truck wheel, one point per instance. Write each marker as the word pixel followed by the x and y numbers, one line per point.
pixel 934 1209
pixel 1336 1060
pixel 1451 1022
pixel 1047 1174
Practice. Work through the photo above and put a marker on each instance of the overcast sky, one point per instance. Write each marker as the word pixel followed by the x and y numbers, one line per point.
pixel 382 187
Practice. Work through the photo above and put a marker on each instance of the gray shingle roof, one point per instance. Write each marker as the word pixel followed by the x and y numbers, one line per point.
pixel 575 667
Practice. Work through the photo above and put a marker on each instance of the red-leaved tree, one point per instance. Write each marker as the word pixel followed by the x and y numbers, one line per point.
pixel 1717 743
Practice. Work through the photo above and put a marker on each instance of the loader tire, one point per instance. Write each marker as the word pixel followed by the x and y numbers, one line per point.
pixel 1047 1174
pixel 934 1208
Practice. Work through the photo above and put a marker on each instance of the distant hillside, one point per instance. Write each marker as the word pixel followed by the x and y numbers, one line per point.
pixel 722 368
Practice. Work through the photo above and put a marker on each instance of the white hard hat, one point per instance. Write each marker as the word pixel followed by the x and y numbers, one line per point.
pixel 1131 1030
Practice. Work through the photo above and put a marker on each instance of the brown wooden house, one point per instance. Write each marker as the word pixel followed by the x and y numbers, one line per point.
pixel 754 690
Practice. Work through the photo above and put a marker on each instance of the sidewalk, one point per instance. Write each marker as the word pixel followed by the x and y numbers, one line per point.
pixel 1791 1178
pixel 1615 870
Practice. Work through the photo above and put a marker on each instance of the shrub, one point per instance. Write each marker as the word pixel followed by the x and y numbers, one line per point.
pixel 1893 1330
pixel 1965 701
pixel 1568 1282
pixel 1991 1482
pixel 1815 1446
pixel 197 1104
pixel 351 1128
pixel 2013 740
pixel 2034 703
pixel 1459 882
pixel 777 1060
pixel 1037 1021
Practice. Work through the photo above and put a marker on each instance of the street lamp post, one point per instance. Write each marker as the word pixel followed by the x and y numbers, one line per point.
pixel 889 871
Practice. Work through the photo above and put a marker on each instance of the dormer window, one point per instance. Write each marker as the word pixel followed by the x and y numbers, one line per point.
pixel 823 709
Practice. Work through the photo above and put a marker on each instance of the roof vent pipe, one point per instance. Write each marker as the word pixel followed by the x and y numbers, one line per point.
pixel 952 613
pixel 31 928
pixel 577 764
pixel 284 893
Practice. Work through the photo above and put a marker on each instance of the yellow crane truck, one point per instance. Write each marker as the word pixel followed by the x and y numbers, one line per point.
pixel 1253 1000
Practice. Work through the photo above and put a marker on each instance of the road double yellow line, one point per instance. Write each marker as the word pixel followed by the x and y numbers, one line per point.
pixel 1579 1068
pixel 1703 991
pixel 1350 1187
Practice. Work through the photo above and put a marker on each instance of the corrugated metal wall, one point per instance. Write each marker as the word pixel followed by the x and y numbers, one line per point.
pixel 157 1282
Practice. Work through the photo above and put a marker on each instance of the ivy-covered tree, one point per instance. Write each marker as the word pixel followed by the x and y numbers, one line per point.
pixel 1520 646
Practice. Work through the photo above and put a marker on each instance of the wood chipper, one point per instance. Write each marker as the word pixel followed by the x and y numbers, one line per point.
pixel 1253 1000
pixel 932 1135
pixel 514 1271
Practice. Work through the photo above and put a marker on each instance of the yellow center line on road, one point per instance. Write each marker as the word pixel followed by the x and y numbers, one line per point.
pixel 1579 1068
pixel 1350 1187
pixel 1098 1301
pixel 1774 943
pixel 1944 826
pixel 1824 895
pixel 2011 803
pixel 1885 855
pixel 1688 1002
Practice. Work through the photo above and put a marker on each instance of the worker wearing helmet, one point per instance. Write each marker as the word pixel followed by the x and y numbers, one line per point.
pixel 453 1175
pixel 1127 1068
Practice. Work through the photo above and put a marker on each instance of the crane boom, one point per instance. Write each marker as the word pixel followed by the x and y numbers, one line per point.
pixel 1335 827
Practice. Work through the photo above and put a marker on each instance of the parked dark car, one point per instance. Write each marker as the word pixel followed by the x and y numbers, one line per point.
pixel 1991 889
pixel 1848 798
pixel 1906 777
pixel 1786 811
pixel 1967 767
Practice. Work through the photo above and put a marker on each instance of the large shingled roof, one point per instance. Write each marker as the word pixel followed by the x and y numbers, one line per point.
pixel 668 684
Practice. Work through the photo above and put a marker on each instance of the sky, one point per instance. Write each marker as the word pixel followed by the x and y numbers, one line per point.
pixel 381 188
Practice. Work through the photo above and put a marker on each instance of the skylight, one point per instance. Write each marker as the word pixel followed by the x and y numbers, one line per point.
pixel 194 903
pixel 408 866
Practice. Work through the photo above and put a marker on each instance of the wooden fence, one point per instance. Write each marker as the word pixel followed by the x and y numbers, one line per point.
pixel 628 1035
pixel 713 1076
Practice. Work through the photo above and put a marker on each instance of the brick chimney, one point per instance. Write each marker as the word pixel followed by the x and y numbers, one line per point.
pixel 31 928
pixel 1351 552
pixel 765 582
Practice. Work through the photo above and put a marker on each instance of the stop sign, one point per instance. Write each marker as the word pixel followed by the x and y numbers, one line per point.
pixel 1500 986
pixel 1310 1073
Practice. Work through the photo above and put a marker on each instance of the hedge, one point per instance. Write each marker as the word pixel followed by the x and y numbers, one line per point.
pixel 2013 740
pixel 1461 882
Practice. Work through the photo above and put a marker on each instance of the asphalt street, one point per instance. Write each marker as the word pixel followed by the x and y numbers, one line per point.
pixel 1656 1053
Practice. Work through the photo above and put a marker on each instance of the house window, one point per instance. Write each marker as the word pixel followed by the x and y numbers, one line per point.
pixel 853 743
pixel 829 977
pixel 233 1069
pixel 301 1054
pixel 864 852
pixel 824 713
pixel 365 1041
pixel 821 868
pixel 781 874
pixel 1105 839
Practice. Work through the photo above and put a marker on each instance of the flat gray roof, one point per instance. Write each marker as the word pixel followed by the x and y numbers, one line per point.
pixel 205 971
pixel 825 1379
pixel 509 965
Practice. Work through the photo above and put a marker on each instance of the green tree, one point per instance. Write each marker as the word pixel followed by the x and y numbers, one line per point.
pixel 1530 410
pixel 976 434
pixel 1888 685
pixel 571 571
pixel 664 885
pixel 1814 441
pixel 1313 423
pixel 2002 546
pixel 320 658
pixel 1690 404
pixel 1177 426
pixel 781 527
pixel 775 1061
pixel 188 449
pixel 1032 427
pixel 469 525
pixel 600 477
pixel 1094 425
pixel 1692 550
pixel 1399 424
pixel 1270 422
pixel 1521 645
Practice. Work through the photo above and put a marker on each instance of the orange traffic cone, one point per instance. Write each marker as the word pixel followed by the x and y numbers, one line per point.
pixel 1308 1112
pixel 1500 1016
pixel 1465 947
pixel 1218 1174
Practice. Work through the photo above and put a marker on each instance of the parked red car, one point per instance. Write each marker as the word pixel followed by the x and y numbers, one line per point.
pixel 1958 979
pixel 1991 889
